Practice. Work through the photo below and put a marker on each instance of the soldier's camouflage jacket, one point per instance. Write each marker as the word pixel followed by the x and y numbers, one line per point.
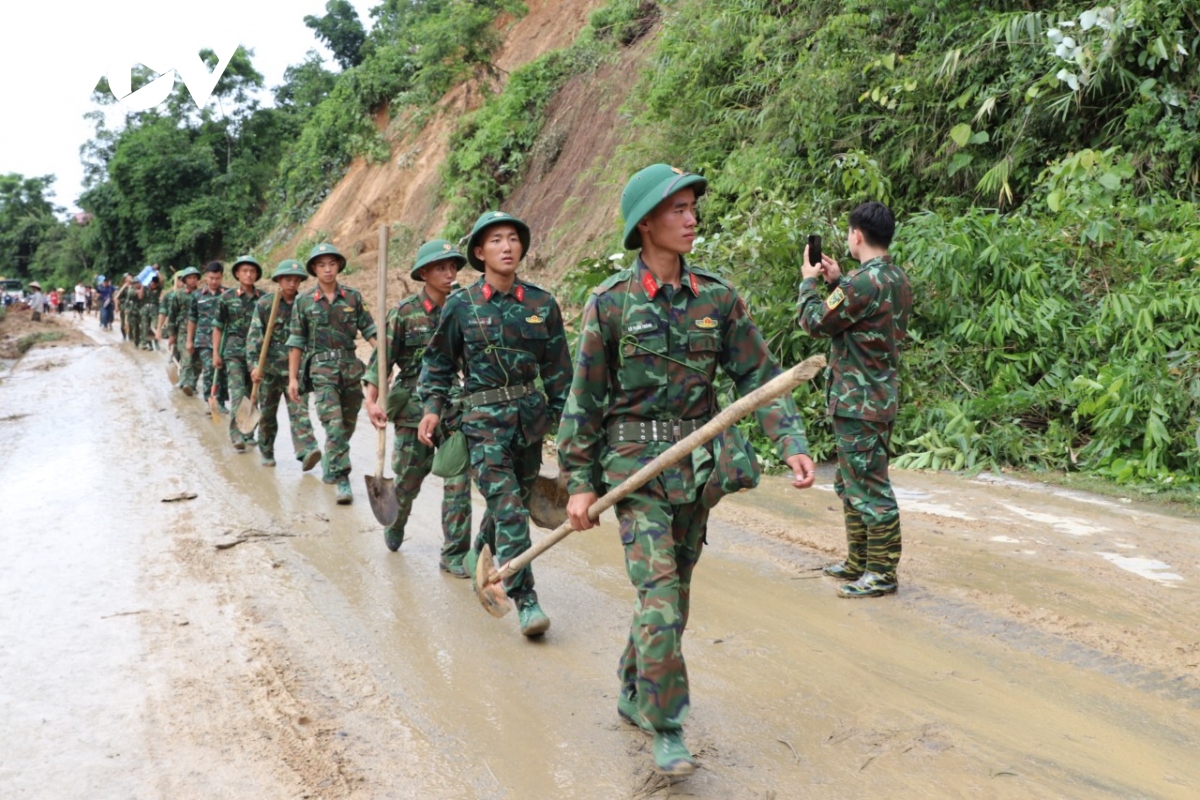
pixel 410 325
pixel 202 310
pixel 866 316
pixel 499 339
pixel 650 352
pixel 235 310
pixel 320 326
pixel 277 351
pixel 174 306
pixel 165 303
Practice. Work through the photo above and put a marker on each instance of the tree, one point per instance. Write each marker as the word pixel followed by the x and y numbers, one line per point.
pixel 26 217
pixel 341 31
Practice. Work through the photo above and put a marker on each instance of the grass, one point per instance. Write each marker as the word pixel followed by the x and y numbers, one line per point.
pixel 30 339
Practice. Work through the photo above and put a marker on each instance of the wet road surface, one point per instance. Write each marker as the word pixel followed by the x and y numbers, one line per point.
pixel 1044 643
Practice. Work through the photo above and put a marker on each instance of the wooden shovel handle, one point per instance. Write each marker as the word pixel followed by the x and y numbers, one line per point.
pixel 266 345
pixel 778 386
pixel 381 340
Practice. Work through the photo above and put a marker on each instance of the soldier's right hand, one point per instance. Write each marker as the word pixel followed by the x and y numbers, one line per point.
pixel 191 348
pixel 577 508
pixel 218 362
pixel 425 430
pixel 294 390
pixel 378 416
pixel 255 376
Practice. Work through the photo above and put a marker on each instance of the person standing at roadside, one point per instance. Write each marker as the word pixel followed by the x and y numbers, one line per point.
pixel 409 326
pixel 231 324
pixel 202 310
pixel 81 298
pixel 650 344
pixel 865 313
pixel 321 359
pixel 272 381
pixel 503 334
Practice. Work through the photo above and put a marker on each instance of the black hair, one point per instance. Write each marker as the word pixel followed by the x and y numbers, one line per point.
pixel 215 266
pixel 875 222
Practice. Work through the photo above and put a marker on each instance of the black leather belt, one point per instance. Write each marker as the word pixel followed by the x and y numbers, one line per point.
pixel 333 355
pixel 488 397
pixel 652 430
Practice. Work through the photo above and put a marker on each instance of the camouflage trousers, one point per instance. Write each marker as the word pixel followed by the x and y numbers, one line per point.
pixel 304 441
pixel 869 507
pixel 237 373
pixel 200 368
pixel 339 398
pixel 131 324
pixel 411 462
pixel 662 545
pixel 505 467
pixel 149 317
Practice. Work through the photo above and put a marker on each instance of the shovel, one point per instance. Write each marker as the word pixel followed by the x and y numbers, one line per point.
pixel 381 491
pixel 173 371
pixel 248 415
pixel 488 579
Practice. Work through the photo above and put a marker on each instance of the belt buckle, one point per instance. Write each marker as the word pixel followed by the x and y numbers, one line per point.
pixel 676 431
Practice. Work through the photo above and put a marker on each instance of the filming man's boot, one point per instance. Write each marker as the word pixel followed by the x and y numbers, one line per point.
pixel 883 556
pixel 856 548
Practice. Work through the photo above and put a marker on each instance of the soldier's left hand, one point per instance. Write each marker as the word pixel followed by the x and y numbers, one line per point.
pixel 804 472
pixel 809 270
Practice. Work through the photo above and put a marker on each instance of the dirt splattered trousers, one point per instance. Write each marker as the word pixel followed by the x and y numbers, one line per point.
pixel 304 441
pixel 337 389
pixel 869 506
pixel 411 463
pixel 662 545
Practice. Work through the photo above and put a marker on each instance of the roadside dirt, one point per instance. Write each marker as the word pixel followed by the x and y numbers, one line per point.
pixel 260 641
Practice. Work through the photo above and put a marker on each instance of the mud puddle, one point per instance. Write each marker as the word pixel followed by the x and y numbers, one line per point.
pixel 1021 659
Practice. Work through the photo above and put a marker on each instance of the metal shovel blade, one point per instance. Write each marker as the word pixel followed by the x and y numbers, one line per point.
pixel 488 589
pixel 548 502
pixel 248 416
pixel 381 492
pixel 173 371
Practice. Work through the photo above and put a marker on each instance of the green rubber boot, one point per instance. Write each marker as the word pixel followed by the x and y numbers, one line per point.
pixel 311 459
pixel 856 548
pixel 883 555
pixel 534 621
pixel 671 756
pixel 393 537
pixel 344 495
pixel 453 565
pixel 628 711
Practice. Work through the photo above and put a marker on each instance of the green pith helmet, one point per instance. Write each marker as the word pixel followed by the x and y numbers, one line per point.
pixel 324 249
pixel 486 221
pixel 289 268
pixel 187 272
pixel 647 189
pixel 436 250
pixel 246 260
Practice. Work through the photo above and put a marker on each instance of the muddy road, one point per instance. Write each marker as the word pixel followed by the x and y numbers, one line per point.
pixel 260 641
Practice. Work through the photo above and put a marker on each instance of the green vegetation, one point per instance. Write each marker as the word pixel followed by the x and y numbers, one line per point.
pixel 30 339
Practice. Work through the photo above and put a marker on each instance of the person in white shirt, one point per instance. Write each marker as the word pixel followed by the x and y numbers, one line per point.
pixel 80 299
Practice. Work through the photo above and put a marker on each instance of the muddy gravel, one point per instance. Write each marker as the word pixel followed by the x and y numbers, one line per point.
pixel 259 641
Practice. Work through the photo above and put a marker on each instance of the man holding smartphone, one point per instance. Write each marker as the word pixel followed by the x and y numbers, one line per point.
pixel 865 314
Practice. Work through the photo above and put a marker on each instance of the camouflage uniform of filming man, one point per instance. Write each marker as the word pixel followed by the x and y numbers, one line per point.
pixel 235 310
pixel 410 325
pixel 201 312
pixel 324 326
pixel 866 315
pixel 651 341
pixel 503 333
pixel 273 379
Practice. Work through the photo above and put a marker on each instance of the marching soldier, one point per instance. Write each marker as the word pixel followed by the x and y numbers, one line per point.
pixel 149 310
pixel 503 334
pixel 651 341
pixel 866 316
pixel 273 379
pixel 321 359
pixel 410 325
pixel 202 311
pixel 172 322
pixel 235 309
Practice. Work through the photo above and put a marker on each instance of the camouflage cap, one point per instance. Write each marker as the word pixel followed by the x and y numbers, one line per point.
pixel 187 272
pixel 649 187
pixel 486 221
pixel 289 268
pixel 247 260
pixel 324 249
pixel 436 250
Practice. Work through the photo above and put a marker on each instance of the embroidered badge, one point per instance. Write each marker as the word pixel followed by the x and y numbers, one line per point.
pixel 535 320
pixel 677 170
pixel 640 327
pixel 708 323
pixel 447 246
pixel 498 214
pixel 835 298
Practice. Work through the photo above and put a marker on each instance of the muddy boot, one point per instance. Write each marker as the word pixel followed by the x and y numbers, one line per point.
pixel 453 565
pixel 344 495
pixel 239 446
pixel 856 548
pixel 268 459
pixel 628 711
pixel 883 555
pixel 310 459
pixel 671 756
pixel 534 621
pixel 393 537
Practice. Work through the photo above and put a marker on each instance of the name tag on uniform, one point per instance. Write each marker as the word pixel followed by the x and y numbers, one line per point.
pixel 640 327
pixel 425 329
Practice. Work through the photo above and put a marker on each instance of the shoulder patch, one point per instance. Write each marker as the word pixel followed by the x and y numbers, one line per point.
pixel 613 280
pixel 835 299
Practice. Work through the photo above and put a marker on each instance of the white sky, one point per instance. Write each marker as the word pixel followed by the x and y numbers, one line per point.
pixel 55 50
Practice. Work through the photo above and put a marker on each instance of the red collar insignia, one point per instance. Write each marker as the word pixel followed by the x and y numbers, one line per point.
pixel 692 280
pixel 520 293
pixel 487 291
pixel 649 284
pixel 425 301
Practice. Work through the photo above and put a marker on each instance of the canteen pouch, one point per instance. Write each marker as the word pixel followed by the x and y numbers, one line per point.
pixel 452 457
pixel 397 401
pixel 736 467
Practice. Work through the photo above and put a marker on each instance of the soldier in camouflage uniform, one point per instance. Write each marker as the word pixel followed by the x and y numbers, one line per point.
pixel 409 326
pixel 173 310
pixel 149 310
pixel 231 324
pixel 273 379
pixel 651 340
pixel 129 304
pixel 324 326
pixel 202 311
pixel 503 334
pixel 866 314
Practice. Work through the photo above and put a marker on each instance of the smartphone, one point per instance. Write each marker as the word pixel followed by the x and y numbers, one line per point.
pixel 814 250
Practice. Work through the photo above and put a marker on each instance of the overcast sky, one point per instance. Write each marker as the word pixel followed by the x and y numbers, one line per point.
pixel 55 50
